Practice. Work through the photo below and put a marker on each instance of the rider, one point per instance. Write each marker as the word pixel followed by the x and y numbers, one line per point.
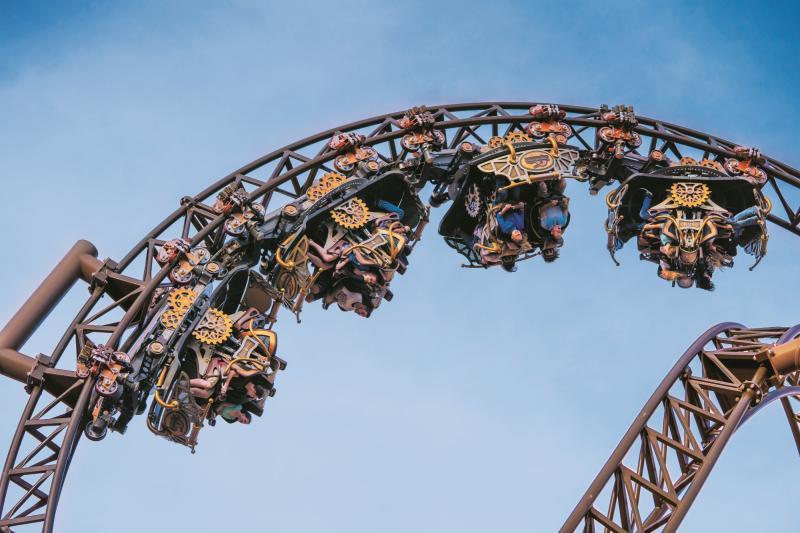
pixel 358 278
pixel 644 216
pixel 553 216
pixel 748 217
pixel 511 221
pixel 233 412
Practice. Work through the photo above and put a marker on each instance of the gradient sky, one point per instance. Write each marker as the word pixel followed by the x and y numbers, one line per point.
pixel 474 401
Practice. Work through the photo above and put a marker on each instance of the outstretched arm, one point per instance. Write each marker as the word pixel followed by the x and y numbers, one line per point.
pixel 322 253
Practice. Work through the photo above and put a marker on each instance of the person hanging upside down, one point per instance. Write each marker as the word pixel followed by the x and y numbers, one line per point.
pixel 511 222
pixel 232 412
pixel 552 218
pixel 632 226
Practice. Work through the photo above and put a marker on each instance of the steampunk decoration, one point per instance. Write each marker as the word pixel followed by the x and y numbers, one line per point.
pixel 205 348
pixel 419 122
pixel 689 218
pixel 509 201
pixel 353 152
pixel 335 219
pixel 548 123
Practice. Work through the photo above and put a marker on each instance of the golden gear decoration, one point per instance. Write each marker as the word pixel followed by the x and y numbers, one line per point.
pixel 710 163
pixel 517 137
pixel 353 214
pixel 510 137
pixel 214 328
pixel 315 192
pixel 326 184
pixel 172 317
pixel 181 299
pixel 689 194
pixel 331 180
pixel 496 142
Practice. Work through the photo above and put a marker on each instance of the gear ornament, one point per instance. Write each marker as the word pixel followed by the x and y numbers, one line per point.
pixel 214 328
pixel 510 137
pixel 178 302
pixel 710 163
pixel 517 137
pixel 689 194
pixel 172 317
pixel 352 214
pixel 181 299
pixel 327 183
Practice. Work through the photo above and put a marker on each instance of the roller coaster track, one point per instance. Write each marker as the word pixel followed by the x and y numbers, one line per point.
pixel 120 291
pixel 657 470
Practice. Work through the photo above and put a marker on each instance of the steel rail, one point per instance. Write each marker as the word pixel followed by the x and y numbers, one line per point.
pixel 635 429
pixel 657 128
pixel 733 387
pixel 303 157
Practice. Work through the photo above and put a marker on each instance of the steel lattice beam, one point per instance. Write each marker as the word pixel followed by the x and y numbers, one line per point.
pixel 657 470
pixel 120 292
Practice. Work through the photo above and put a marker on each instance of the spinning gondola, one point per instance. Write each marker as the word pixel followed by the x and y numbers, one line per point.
pixel 216 276
pixel 354 233
pixel 507 172
pixel 689 217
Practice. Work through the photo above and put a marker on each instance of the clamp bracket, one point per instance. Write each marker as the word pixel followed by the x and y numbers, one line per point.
pixel 36 375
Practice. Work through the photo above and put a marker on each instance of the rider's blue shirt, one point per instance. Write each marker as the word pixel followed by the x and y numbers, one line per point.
pixel 512 220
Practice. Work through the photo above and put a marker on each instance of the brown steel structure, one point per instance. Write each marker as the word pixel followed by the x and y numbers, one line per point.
pixel 119 293
pixel 659 467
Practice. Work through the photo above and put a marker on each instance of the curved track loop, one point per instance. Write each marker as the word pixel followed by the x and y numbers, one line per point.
pixel 655 473
pixel 49 427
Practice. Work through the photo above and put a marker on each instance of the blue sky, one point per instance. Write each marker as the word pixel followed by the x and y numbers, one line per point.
pixel 474 401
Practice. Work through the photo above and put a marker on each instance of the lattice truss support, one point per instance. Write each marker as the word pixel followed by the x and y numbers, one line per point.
pixel 120 292
pixel 659 467
pixel 51 422
pixel 40 444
